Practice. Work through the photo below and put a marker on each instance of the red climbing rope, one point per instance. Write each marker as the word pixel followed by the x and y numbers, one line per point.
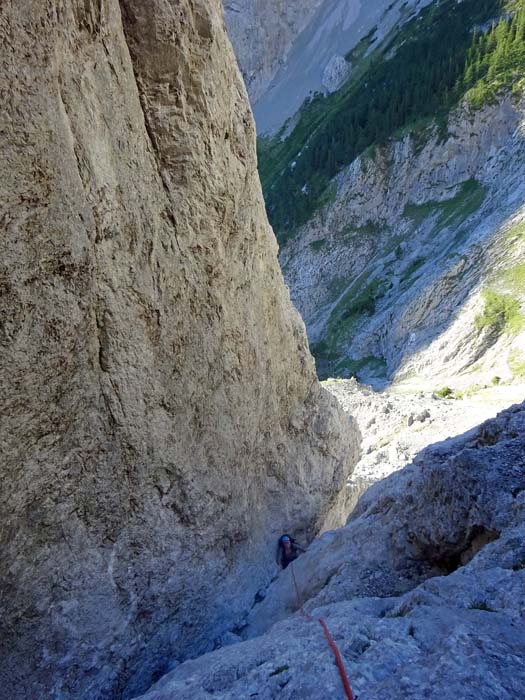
pixel 338 659
pixel 333 645
pixel 298 595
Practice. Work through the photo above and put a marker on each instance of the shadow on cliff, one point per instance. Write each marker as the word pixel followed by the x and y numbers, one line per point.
pixel 426 520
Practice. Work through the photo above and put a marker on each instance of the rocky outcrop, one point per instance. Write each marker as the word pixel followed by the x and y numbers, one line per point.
pixel 423 590
pixel 335 73
pixel 161 419
pixel 391 274
pixel 399 422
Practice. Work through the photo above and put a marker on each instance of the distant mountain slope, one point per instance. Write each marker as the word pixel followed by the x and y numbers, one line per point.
pixel 398 201
pixel 417 74
pixel 262 34
pixel 417 268
pixel 289 50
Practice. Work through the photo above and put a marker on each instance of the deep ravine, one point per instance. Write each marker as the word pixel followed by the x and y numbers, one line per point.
pixel 423 590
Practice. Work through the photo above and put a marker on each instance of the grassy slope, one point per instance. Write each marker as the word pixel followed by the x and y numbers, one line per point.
pixel 503 297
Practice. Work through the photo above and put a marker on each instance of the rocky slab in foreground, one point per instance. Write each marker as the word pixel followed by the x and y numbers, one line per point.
pixel 423 590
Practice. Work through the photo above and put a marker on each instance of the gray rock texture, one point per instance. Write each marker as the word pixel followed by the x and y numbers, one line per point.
pixel 335 73
pixel 161 419
pixel 262 33
pixel 423 590
pixel 424 225
pixel 399 422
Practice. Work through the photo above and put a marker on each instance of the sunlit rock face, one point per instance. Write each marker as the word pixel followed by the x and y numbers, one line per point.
pixel 161 419
pixel 424 228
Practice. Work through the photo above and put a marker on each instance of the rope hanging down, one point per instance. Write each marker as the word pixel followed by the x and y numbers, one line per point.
pixel 333 645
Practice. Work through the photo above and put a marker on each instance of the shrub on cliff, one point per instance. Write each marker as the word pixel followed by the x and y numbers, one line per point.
pixel 502 312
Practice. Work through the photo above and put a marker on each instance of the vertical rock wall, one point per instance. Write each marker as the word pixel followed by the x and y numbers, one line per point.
pixel 161 419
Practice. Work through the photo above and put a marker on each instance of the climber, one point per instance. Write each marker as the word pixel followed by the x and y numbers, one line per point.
pixel 287 551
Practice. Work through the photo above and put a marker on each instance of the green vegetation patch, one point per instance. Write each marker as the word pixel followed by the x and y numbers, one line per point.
pixel 318 244
pixel 360 300
pixel 416 76
pixel 323 352
pixel 458 395
pixel 502 313
pixel 358 52
pixel 496 59
pixel 371 228
pixel 330 364
pixel 419 212
pixel 445 393
pixel 355 368
pixel 466 201
pixel 472 390
pixel 357 303
pixel 517 364
pixel 412 268
pixel 515 234
pixel 514 278
pixel 370 234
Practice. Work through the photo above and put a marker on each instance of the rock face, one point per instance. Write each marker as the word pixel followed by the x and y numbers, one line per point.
pixel 335 73
pixel 161 419
pixel 423 590
pixel 262 33
pixel 391 275
pixel 398 423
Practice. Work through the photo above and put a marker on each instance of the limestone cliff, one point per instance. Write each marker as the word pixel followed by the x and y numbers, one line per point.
pixel 392 277
pixel 262 34
pixel 161 420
